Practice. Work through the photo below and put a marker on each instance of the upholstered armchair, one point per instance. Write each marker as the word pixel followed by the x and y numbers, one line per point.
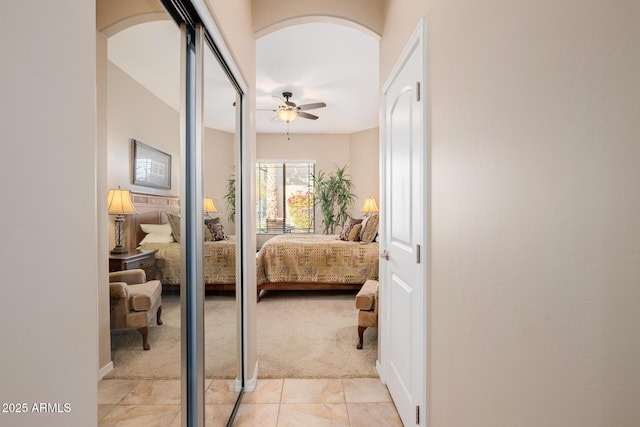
pixel 367 303
pixel 134 301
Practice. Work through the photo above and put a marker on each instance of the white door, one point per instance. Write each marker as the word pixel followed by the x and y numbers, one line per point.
pixel 403 267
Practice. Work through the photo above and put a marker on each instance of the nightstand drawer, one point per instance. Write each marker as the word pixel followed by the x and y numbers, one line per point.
pixel 140 263
pixel 145 260
pixel 147 264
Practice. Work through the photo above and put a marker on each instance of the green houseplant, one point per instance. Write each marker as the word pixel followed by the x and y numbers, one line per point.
pixel 332 194
pixel 230 197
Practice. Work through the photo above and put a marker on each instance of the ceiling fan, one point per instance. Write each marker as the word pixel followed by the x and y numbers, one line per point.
pixel 288 110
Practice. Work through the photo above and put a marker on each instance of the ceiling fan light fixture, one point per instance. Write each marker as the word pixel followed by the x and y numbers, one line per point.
pixel 287 115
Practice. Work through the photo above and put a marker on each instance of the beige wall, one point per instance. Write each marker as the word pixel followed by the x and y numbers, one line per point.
pixel 134 112
pixel 49 261
pixel 534 209
pixel 364 164
pixel 218 161
pixel 115 15
pixel 272 14
pixel 104 231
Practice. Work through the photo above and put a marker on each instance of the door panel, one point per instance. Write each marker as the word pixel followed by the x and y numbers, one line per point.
pixel 404 273
pixel 400 174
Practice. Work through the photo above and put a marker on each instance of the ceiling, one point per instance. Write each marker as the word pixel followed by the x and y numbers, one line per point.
pixel 318 62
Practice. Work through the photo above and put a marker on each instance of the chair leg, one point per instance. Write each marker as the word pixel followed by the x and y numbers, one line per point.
pixel 145 333
pixel 158 319
pixel 360 336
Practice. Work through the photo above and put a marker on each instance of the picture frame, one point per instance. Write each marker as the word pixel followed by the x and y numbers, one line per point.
pixel 150 167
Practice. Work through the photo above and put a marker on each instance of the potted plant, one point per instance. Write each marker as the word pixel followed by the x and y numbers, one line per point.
pixel 230 197
pixel 332 194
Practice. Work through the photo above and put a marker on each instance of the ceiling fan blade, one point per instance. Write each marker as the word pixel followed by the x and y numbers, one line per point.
pixel 279 101
pixel 311 106
pixel 307 115
pixel 276 118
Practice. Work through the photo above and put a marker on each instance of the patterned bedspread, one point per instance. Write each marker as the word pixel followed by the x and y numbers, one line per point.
pixel 219 262
pixel 316 258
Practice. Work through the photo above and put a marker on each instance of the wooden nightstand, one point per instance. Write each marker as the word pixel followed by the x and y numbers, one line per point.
pixel 135 258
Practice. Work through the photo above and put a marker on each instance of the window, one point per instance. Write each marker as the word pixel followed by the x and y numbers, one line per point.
pixel 284 197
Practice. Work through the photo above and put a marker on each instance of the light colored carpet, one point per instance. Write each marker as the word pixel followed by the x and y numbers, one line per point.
pixel 306 334
pixel 300 335
pixel 162 361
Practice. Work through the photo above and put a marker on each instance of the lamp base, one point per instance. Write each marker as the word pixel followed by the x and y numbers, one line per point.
pixel 119 250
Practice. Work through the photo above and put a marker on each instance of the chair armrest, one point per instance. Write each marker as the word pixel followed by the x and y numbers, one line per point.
pixel 118 290
pixel 131 277
pixel 367 297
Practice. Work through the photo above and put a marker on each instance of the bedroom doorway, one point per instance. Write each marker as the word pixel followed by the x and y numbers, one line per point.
pixel 313 333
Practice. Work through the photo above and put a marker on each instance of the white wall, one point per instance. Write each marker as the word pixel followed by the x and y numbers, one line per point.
pixel 534 211
pixel 48 317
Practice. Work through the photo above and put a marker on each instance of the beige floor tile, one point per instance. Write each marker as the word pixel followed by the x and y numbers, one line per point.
pixel 313 414
pixel 267 391
pixel 154 392
pixel 365 390
pixel 141 416
pixel 373 415
pixel 217 415
pixel 312 391
pixel 221 392
pixel 112 391
pixel 257 414
pixel 104 410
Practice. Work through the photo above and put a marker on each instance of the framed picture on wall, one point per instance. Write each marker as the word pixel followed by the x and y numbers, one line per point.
pixel 150 167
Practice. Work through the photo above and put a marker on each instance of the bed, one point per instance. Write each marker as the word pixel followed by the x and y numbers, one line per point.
pixel 315 262
pixel 219 256
pixel 285 262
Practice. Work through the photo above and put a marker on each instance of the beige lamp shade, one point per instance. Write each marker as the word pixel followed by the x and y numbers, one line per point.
pixel 209 206
pixel 369 205
pixel 119 203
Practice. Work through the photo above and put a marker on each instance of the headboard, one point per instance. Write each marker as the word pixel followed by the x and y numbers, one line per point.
pixel 152 209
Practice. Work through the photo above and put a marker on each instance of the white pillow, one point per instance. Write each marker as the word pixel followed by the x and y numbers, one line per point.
pixel 157 233
pixel 157 238
pixel 156 228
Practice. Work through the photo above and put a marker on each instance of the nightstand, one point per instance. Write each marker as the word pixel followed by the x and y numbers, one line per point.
pixel 135 258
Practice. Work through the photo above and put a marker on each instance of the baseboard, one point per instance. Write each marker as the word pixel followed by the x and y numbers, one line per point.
pixel 253 382
pixel 379 369
pixel 105 370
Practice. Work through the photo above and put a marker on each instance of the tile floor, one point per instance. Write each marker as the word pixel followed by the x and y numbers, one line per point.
pixel 275 403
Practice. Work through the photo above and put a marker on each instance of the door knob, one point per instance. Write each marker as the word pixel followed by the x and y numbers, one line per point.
pixel 385 255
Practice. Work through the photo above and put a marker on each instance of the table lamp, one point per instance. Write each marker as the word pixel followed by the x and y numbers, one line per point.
pixel 209 206
pixel 120 204
pixel 369 206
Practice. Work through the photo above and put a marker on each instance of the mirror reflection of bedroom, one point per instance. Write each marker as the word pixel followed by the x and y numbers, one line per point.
pixel 144 157
pixel 317 164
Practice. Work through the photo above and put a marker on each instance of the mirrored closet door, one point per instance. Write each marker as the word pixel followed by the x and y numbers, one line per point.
pixel 191 114
pixel 221 300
